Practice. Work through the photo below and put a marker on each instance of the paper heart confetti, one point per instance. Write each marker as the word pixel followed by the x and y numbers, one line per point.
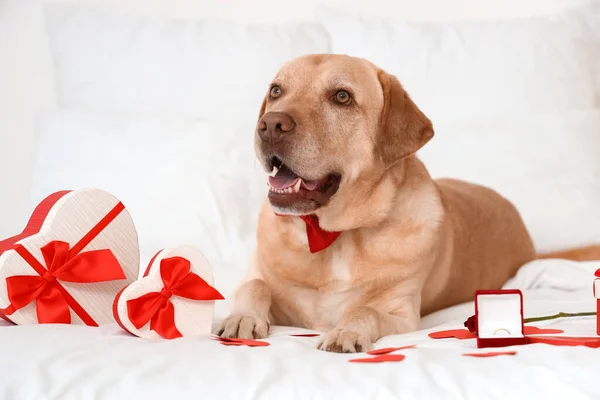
pixel 380 358
pixel 242 342
pixel 453 333
pixel 463 334
pixel 491 354
pixel 306 335
pixel 388 350
pixel 593 342
pixel 534 330
pixel 78 250
pixel 174 298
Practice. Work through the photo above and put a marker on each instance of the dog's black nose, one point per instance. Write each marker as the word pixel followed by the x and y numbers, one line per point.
pixel 273 125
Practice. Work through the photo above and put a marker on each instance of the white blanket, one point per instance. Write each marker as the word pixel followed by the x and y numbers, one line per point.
pixel 69 362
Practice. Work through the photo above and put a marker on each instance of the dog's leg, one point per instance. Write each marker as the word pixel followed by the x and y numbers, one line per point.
pixel 249 318
pixel 361 327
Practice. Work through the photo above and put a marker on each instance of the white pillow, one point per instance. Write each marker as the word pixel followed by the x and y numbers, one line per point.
pixel 548 165
pixel 184 182
pixel 492 68
pixel 204 68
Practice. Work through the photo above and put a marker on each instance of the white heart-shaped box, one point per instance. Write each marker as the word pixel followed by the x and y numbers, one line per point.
pixel 86 222
pixel 191 317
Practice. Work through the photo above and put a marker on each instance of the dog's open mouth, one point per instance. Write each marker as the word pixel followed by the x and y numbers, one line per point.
pixel 288 187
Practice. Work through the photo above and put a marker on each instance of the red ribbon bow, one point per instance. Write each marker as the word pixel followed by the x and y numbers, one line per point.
pixel 51 299
pixel 157 308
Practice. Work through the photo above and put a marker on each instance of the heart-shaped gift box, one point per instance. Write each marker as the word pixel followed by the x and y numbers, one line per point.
pixel 78 250
pixel 174 298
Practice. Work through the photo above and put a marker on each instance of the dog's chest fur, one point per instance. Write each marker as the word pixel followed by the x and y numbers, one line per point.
pixel 375 267
pixel 329 288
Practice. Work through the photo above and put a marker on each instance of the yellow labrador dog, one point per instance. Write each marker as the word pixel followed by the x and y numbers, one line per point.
pixel 355 238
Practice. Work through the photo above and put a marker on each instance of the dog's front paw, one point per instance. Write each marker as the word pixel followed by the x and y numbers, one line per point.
pixel 244 327
pixel 344 341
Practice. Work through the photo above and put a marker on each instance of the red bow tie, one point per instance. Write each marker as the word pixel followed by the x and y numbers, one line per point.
pixel 156 308
pixel 318 239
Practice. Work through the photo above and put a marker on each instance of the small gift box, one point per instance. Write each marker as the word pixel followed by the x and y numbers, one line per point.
pixel 597 296
pixel 78 250
pixel 499 315
pixel 174 298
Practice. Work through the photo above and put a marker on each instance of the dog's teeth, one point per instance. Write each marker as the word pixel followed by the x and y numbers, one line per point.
pixel 288 190
pixel 274 171
pixel 297 186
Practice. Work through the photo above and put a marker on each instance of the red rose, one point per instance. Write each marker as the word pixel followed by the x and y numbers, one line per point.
pixel 471 323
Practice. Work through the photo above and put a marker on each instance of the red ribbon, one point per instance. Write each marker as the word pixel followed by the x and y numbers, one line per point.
pixel 157 308
pixel 68 264
pixel 50 297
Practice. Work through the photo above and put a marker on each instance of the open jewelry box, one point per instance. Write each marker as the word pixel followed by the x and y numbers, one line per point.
pixel 499 318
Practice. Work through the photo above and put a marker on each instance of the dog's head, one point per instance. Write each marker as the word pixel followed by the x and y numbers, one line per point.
pixel 328 122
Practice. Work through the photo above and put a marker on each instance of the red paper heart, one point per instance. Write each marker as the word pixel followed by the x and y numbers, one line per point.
pixel 249 344
pixel 381 358
pixel 491 354
pixel 388 350
pixel 242 342
pixel 453 333
pixel 593 342
pixel 306 335
pixel 534 330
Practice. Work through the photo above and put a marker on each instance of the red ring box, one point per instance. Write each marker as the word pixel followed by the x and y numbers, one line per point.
pixel 499 318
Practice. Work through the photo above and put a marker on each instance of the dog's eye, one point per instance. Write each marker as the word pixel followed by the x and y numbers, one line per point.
pixel 342 97
pixel 275 92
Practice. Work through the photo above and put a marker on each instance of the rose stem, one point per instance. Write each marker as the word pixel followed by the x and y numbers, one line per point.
pixel 559 315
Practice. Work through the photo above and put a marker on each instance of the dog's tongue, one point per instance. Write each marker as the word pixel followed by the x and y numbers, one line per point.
pixel 285 178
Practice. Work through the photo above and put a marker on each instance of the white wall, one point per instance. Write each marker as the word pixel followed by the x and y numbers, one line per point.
pixel 26 84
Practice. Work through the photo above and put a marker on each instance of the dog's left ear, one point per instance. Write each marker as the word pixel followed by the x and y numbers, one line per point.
pixel 262 108
pixel 404 128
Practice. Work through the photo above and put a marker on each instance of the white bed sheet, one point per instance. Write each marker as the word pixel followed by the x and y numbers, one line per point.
pixel 69 362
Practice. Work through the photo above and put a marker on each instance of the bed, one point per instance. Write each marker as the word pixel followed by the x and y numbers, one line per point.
pixel 74 362
pixel 133 103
